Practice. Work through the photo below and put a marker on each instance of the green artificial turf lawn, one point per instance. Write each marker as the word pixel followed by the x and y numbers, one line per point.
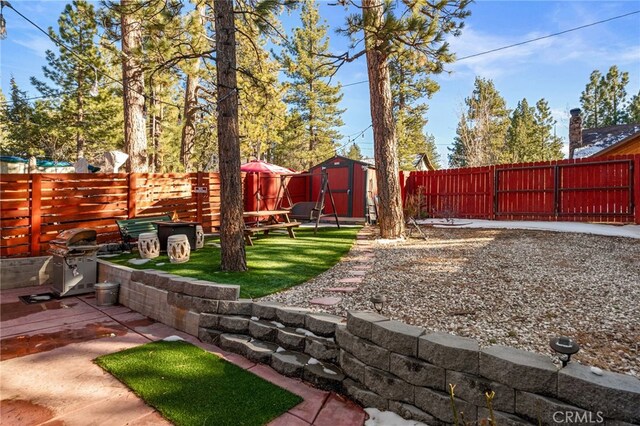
pixel 276 262
pixel 190 386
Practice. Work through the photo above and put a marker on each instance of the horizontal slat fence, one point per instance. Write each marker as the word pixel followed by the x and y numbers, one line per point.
pixel 584 190
pixel 35 208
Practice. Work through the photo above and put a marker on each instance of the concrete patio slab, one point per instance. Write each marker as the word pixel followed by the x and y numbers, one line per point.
pixel 49 378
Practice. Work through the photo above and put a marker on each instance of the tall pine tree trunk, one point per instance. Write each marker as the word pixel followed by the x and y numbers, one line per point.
pixel 391 218
pixel 135 137
pixel 233 256
pixel 189 129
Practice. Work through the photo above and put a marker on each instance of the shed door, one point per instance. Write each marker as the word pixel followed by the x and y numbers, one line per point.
pixel 340 179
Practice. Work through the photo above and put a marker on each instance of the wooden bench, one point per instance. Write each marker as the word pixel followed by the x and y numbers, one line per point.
pixel 249 232
pixel 130 229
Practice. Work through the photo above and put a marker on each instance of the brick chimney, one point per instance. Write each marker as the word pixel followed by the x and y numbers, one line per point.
pixel 575 130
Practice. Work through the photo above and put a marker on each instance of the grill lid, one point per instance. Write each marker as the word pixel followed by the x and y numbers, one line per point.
pixel 75 237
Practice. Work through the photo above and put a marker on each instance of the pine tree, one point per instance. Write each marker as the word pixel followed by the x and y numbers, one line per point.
pixel 353 152
pixel 614 99
pixel 482 128
pixel 32 130
pixel 432 151
pixel 409 85
pixel 309 93
pixel 633 109
pixel 420 27
pixel 551 145
pixel 591 101
pixel 521 141
pixel 262 111
pixel 76 73
pixel 604 99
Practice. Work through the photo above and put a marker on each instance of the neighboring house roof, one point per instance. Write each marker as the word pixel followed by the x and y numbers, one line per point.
pixel 605 138
pixel 424 159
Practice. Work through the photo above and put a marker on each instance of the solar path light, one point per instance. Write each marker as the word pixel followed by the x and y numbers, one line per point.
pixel 565 347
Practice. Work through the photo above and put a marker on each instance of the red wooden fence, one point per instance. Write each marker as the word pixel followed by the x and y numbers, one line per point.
pixel 35 208
pixel 586 190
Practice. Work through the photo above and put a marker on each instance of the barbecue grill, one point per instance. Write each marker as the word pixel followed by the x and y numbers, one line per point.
pixel 74 261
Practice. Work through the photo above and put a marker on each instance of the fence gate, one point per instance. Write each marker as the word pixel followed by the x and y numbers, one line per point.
pixel 594 191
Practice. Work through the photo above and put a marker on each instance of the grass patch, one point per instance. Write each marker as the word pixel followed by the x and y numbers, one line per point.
pixel 190 386
pixel 276 262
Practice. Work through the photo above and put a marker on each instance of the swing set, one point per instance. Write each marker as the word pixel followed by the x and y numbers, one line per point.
pixel 307 210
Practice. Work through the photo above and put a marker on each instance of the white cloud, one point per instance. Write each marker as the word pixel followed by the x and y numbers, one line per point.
pixel 37 44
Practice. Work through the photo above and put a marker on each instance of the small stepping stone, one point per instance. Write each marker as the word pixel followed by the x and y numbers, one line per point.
pixel 139 261
pixel 324 376
pixel 234 343
pixel 289 338
pixel 342 289
pixel 362 267
pixel 258 351
pixel 325 301
pixel 352 280
pixel 358 273
pixel 289 363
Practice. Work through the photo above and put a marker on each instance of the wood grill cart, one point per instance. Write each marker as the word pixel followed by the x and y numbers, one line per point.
pixel 74 261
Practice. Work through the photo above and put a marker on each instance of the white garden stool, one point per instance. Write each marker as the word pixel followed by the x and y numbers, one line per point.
pixel 149 245
pixel 178 248
pixel 199 237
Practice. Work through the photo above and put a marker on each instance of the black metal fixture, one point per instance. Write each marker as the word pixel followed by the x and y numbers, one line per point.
pixel 3 23
pixel 378 301
pixel 565 347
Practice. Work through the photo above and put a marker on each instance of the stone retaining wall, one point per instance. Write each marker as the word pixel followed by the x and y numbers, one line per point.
pixel 380 362
pixel 25 272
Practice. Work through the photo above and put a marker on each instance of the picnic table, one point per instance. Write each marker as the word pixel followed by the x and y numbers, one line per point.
pixel 275 219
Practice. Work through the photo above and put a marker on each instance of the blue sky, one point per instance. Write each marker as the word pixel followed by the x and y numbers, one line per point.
pixel 556 68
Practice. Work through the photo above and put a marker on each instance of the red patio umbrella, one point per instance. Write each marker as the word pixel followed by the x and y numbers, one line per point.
pixel 259 166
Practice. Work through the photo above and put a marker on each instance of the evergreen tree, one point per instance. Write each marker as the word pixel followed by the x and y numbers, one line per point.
pixel 309 93
pixel 32 130
pixel 614 99
pixel 432 152
pixel 84 107
pixel 420 27
pixel 482 128
pixel 604 99
pixel 262 111
pixel 591 101
pixel 521 135
pixel 633 109
pixel 551 145
pixel 409 84
pixel 353 152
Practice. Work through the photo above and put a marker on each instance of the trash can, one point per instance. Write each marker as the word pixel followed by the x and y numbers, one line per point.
pixel 106 293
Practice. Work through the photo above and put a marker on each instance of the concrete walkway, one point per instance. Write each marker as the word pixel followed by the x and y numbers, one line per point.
pixel 47 375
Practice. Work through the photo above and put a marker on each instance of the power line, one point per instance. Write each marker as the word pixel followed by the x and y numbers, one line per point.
pixel 79 57
pixel 486 52
pixel 547 36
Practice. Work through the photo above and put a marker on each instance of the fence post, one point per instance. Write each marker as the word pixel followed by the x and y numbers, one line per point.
pixel 493 194
pixel 35 213
pixel 636 187
pixel 132 183
pixel 199 197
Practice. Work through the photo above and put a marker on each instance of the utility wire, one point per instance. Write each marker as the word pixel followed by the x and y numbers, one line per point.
pixel 547 36
pixel 486 52
pixel 82 59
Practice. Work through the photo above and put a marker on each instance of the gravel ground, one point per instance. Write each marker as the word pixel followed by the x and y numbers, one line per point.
pixel 509 287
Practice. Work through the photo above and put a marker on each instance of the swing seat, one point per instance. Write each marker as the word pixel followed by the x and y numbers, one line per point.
pixel 304 210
